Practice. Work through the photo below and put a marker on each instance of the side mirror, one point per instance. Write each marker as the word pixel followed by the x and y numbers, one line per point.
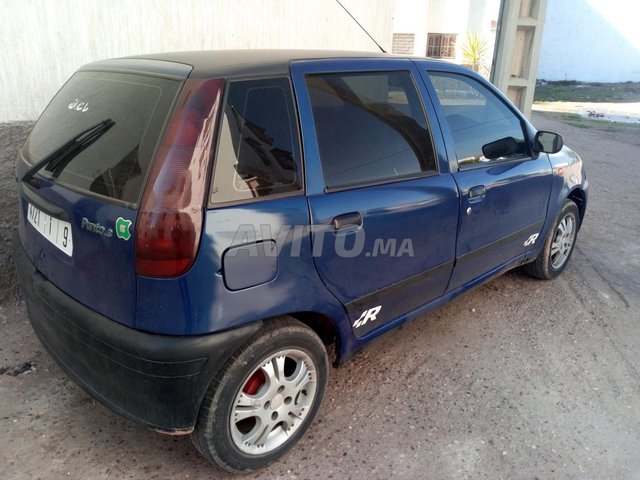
pixel 501 148
pixel 548 142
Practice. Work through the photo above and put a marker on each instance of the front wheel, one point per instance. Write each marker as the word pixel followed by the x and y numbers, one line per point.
pixel 558 245
pixel 264 398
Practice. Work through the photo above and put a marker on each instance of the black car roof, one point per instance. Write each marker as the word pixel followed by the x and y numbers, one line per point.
pixel 232 62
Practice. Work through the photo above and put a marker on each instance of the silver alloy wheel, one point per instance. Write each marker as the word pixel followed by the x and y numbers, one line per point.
pixel 273 401
pixel 563 241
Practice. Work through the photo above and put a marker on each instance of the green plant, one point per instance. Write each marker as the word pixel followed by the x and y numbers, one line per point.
pixel 474 50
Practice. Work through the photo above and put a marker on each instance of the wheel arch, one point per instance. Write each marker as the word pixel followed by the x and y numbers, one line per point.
pixel 324 326
pixel 579 197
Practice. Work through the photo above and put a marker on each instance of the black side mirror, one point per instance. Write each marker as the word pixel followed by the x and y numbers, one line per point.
pixel 548 142
pixel 501 148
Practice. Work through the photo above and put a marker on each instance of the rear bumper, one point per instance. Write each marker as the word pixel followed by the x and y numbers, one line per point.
pixel 156 380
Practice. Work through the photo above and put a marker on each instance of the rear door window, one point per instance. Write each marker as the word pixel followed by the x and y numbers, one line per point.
pixel 258 147
pixel 115 165
pixel 370 127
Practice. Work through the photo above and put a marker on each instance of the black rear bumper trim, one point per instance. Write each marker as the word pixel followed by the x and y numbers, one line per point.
pixel 156 380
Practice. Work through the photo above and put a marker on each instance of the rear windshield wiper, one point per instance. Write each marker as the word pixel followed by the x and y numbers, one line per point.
pixel 57 160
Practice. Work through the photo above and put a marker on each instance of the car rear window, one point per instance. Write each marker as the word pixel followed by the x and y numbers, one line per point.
pixel 258 152
pixel 115 165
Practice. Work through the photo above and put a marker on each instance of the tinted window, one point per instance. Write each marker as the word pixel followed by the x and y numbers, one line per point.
pixel 116 163
pixel 258 146
pixel 370 127
pixel 484 129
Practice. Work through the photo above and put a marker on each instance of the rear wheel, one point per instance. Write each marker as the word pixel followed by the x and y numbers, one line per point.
pixel 558 245
pixel 264 398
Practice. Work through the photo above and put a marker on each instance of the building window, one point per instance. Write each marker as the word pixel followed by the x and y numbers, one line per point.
pixel 441 45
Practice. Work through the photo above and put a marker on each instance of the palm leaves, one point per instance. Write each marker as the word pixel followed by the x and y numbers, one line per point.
pixel 474 50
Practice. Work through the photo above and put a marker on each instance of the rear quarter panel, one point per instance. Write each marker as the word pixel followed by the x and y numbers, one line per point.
pixel 200 302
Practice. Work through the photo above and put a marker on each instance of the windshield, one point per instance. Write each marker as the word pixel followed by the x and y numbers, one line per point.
pixel 116 163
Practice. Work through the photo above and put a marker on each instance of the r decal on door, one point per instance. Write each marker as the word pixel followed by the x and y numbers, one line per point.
pixel 367 315
pixel 531 240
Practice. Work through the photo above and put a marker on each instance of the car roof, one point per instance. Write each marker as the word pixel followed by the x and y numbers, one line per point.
pixel 241 62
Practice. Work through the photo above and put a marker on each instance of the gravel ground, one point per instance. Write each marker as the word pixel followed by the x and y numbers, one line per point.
pixel 517 379
pixel 12 136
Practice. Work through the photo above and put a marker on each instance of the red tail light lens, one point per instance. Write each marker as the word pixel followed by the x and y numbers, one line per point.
pixel 169 224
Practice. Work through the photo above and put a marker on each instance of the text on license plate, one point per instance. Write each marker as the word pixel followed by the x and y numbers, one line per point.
pixel 53 229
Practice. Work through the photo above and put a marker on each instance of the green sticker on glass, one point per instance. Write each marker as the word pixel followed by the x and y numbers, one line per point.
pixel 122 228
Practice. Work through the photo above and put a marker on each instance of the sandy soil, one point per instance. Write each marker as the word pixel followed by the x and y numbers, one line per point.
pixel 614 112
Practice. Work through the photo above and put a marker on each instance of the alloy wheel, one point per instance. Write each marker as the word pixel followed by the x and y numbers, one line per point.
pixel 563 241
pixel 273 401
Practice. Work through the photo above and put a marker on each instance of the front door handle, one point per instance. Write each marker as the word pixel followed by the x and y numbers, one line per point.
pixel 477 191
pixel 353 219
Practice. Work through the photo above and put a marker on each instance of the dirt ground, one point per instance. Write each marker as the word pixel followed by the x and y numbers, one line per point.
pixel 12 136
pixel 518 379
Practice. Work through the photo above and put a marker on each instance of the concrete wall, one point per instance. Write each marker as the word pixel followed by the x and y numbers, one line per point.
pixel 591 40
pixel 410 17
pixel 42 42
pixel 447 16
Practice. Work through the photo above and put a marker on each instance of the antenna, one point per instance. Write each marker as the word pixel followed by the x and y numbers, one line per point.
pixel 363 29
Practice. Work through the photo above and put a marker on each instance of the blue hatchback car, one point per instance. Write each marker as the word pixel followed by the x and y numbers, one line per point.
pixel 196 228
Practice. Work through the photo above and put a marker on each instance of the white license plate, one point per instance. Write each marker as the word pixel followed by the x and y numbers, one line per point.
pixel 53 229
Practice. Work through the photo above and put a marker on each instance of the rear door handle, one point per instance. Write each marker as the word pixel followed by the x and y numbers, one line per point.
pixel 477 191
pixel 353 219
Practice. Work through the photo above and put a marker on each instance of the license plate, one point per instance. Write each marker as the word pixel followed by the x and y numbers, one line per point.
pixel 53 229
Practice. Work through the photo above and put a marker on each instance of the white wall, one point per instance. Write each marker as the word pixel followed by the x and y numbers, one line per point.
pixel 448 16
pixel 591 40
pixel 483 19
pixel 410 16
pixel 462 17
pixel 42 42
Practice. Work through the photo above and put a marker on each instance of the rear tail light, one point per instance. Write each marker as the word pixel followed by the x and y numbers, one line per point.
pixel 170 217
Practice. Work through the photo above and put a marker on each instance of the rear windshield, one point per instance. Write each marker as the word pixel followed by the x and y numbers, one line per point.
pixel 115 164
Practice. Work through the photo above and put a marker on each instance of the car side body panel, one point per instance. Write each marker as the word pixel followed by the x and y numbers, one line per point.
pixel 503 223
pixel 474 264
pixel 205 303
pixel 416 218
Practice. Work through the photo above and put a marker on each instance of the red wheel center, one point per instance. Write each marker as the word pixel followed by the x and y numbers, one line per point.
pixel 254 383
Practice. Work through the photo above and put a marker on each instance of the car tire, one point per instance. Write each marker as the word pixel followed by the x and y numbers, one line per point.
pixel 558 245
pixel 264 398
